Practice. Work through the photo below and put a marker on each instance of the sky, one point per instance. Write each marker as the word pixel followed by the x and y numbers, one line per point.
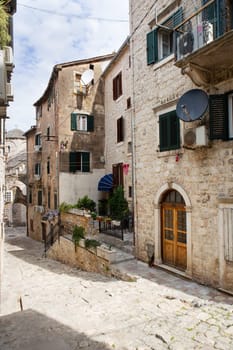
pixel 56 31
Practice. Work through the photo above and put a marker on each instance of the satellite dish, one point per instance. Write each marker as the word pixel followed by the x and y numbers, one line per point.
pixel 192 105
pixel 87 76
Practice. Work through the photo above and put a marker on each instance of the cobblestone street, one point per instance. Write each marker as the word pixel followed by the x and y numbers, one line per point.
pixel 50 306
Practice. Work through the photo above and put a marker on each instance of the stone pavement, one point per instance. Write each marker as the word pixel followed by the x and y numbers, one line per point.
pixel 48 305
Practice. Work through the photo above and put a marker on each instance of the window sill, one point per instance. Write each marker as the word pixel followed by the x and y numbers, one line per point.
pixel 172 152
pixel 164 61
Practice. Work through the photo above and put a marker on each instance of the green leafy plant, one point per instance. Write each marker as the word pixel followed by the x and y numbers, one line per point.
pixel 78 233
pixel 91 243
pixel 86 203
pixel 65 207
pixel 4 22
pixel 118 205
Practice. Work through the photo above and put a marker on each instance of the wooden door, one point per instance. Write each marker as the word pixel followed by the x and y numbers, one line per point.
pixel 174 250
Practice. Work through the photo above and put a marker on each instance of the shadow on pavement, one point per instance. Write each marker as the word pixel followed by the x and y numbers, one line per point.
pixel 31 330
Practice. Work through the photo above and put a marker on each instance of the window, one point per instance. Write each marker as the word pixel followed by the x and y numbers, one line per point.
pixel 120 129
pixel 39 197
pixel 117 86
pixel 79 161
pixel 221 116
pixel 160 40
pixel 82 122
pixel 38 112
pixel 128 103
pixel 117 171
pixel 55 200
pixel 169 131
pixel 8 196
pixel 38 140
pixel 37 169
pixel 49 199
pixel 130 192
pixel 48 133
pixel 48 167
pixel 129 147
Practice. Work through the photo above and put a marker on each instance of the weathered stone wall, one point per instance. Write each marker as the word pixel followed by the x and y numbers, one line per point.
pixel 118 152
pixel 204 174
pixel 72 218
pixel 64 251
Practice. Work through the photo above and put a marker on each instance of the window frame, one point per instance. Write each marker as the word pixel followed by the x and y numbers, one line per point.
pixel 87 126
pixel 169 131
pixel 155 38
pixel 120 129
pixel 117 86
pixel 77 162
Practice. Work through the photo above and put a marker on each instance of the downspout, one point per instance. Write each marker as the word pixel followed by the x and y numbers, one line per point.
pixel 135 210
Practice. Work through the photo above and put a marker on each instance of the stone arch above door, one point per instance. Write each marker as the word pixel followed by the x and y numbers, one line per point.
pixel 157 221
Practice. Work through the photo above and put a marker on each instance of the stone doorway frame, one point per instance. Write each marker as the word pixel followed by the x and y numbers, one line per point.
pixel 157 223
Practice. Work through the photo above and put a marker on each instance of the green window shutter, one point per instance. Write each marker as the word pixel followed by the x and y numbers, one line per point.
pixel 73 162
pixel 85 162
pixel 177 17
pixel 152 46
pixel 90 123
pixel 73 121
pixel 218 110
pixel 169 131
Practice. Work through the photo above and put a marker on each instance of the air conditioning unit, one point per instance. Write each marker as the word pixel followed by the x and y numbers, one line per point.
pixel 37 148
pixel 195 137
pixel 8 55
pixel 9 92
pixel 37 177
pixel 39 209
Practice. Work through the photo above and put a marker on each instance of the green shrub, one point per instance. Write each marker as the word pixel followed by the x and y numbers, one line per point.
pixel 89 243
pixel 78 233
pixel 118 205
pixel 65 207
pixel 86 203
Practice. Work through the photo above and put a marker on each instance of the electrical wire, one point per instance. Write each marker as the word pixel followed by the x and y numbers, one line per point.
pixel 83 17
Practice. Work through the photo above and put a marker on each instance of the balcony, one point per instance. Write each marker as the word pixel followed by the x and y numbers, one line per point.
pixel 204 42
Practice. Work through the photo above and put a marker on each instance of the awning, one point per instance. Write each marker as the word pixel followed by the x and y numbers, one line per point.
pixel 105 183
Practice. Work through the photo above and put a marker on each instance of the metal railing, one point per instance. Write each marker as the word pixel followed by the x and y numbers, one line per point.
pixel 202 26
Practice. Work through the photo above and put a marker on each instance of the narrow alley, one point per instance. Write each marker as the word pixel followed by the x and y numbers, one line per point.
pixel 47 305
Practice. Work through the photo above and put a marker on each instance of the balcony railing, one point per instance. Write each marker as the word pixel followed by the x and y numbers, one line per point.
pixel 202 26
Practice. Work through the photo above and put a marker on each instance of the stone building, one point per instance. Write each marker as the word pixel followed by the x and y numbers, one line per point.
pixel 67 142
pixel 6 96
pixel 183 172
pixel 15 194
pixel 117 110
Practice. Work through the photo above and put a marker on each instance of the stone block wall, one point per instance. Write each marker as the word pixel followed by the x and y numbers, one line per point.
pixel 203 175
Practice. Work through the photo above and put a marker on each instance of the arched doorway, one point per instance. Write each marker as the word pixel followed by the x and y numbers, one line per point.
pixel 173 230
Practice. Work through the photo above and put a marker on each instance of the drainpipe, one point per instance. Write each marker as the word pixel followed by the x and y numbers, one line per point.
pixel 135 210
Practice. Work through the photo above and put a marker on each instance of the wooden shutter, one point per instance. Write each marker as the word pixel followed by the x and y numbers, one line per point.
pixel 169 131
pixel 120 129
pixel 218 117
pixel 117 171
pixel 152 46
pixel 85 162
pixel 90 123
pixel 73 121
pixel 73 162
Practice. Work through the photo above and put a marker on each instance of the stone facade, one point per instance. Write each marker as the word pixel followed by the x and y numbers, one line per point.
pixel 119 152
pixel 202 176
pixel 67 143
